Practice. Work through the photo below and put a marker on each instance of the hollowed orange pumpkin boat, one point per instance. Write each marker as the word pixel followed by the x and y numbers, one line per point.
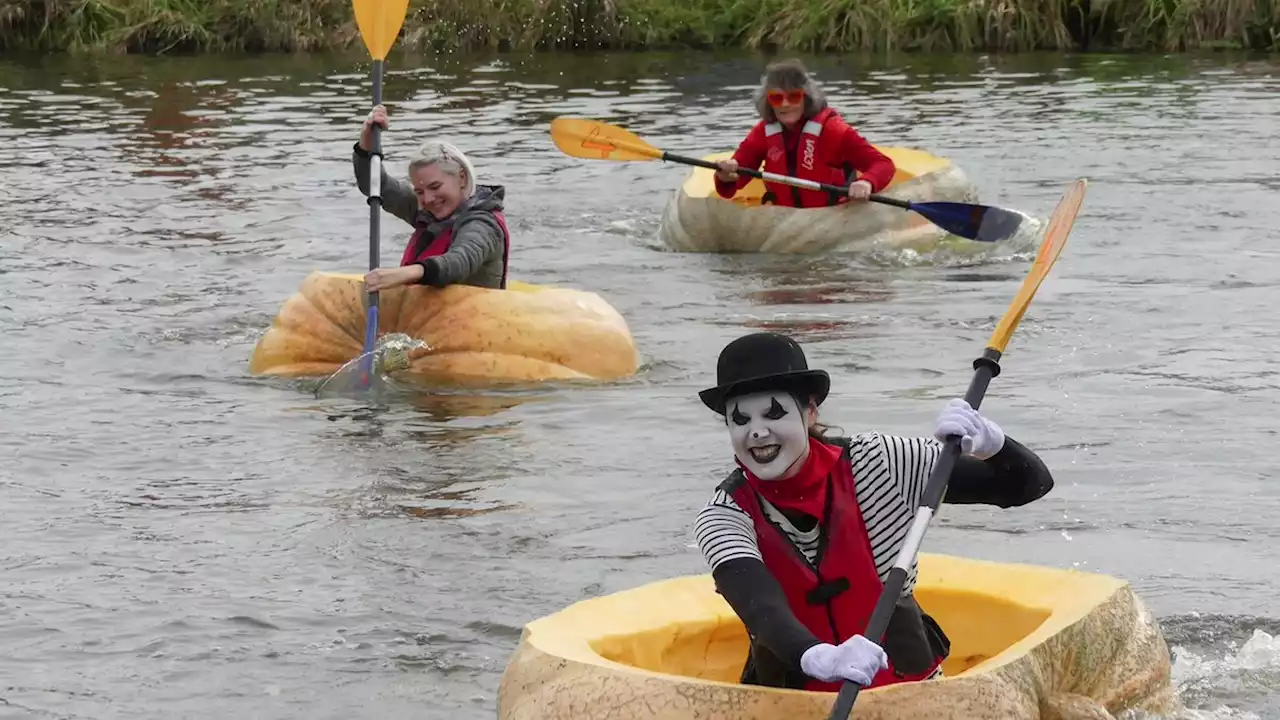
pixel 475 336
pixel 697 219
pixel 1027 643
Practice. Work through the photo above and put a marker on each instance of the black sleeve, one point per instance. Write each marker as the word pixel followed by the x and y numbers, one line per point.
pixel 1014 476
pixel 757 598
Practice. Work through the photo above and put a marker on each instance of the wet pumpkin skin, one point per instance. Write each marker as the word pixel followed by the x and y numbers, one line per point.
pixel 477 336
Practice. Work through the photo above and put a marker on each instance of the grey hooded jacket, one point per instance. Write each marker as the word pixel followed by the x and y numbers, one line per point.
pixel 475 257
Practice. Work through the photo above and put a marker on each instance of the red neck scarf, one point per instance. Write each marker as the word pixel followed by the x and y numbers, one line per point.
pixel 806 491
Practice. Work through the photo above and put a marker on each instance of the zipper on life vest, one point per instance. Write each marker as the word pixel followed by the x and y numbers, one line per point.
pixel 831 615
pixel 818 554
pixel 823 537
pixel 793 159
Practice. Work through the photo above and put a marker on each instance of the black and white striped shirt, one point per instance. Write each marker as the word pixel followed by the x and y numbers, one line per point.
pixel 889 474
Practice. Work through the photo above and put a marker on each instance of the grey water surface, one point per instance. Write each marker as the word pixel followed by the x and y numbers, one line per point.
pixel 179 539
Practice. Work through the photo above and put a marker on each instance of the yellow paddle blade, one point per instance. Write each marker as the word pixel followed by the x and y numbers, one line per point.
pixel 1055 237
pixel 379 22
pixel 595 140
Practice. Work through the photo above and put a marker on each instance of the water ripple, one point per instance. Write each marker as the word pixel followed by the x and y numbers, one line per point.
pixel 181 539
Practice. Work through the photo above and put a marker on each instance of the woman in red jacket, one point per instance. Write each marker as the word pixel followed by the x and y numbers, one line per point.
pixel 800 136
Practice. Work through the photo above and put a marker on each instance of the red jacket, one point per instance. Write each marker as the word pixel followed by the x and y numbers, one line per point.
pixel 835 148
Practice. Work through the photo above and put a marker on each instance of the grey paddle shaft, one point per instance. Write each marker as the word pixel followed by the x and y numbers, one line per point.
pixel 375 182
pixel 824 187
pixel 784 179
pixel 985 367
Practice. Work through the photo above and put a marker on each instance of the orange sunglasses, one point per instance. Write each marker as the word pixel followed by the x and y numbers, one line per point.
pixel 793 97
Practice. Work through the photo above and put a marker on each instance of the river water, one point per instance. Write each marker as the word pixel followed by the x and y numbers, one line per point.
pixel 182 540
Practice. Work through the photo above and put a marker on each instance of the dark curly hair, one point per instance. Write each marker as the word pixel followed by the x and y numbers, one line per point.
pixel 788 75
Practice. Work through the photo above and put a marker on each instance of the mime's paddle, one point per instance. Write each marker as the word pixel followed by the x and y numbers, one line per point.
pixel 379 22
pixel 595 140
pixel 985 367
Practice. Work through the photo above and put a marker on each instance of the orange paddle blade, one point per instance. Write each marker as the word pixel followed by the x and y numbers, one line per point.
pixel 379 22
pixel 595 140
pixel 1055 237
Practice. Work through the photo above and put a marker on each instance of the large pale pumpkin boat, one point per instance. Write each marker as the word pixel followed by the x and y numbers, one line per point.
pixel 475 336
pixel 697 219
pixel 1027 643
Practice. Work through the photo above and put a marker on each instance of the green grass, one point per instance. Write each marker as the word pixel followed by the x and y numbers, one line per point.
pixel 210 26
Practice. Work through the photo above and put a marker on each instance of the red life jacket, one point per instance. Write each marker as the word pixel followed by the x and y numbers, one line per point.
pixel 836 601
pixel 440 244
pixel 815 158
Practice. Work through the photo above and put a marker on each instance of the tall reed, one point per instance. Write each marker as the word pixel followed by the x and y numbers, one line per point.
pixel 196 26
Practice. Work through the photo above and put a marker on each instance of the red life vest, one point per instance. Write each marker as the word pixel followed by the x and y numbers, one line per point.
pixel 815 159
pixel 440 244
pixel 845 585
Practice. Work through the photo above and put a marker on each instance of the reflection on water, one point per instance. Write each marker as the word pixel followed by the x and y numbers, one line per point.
pixel 811 298
pixel 820 295
pixel 246 548
pixel 455 505
pixel 441 407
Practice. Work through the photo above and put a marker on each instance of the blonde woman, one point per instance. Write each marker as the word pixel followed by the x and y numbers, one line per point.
pixel 460 235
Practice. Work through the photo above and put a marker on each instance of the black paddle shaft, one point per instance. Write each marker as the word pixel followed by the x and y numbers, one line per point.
pixel 985 367
pixel 375 183
pixel 686 160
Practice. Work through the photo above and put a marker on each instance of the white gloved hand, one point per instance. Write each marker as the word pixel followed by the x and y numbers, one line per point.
pixel 979 436
pixel 857 659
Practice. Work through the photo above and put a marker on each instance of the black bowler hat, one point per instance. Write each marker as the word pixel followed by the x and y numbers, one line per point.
pixel 764 361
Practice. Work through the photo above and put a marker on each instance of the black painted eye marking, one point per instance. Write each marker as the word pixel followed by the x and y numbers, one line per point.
pixel 775 410
pixel 738 417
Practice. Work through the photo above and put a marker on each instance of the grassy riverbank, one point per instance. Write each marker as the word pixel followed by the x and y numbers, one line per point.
pixel 154 26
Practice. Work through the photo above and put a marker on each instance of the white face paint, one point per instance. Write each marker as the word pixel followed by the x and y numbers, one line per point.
pixel 768 432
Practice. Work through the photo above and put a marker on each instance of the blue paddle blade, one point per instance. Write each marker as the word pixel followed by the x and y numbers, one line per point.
pixel 370 336
pixel 976 222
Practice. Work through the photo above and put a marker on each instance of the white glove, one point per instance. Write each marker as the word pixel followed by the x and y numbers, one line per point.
pixel 979 436
pixel 857 659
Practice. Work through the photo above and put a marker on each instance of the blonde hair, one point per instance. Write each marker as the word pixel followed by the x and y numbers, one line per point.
pixel 450 159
